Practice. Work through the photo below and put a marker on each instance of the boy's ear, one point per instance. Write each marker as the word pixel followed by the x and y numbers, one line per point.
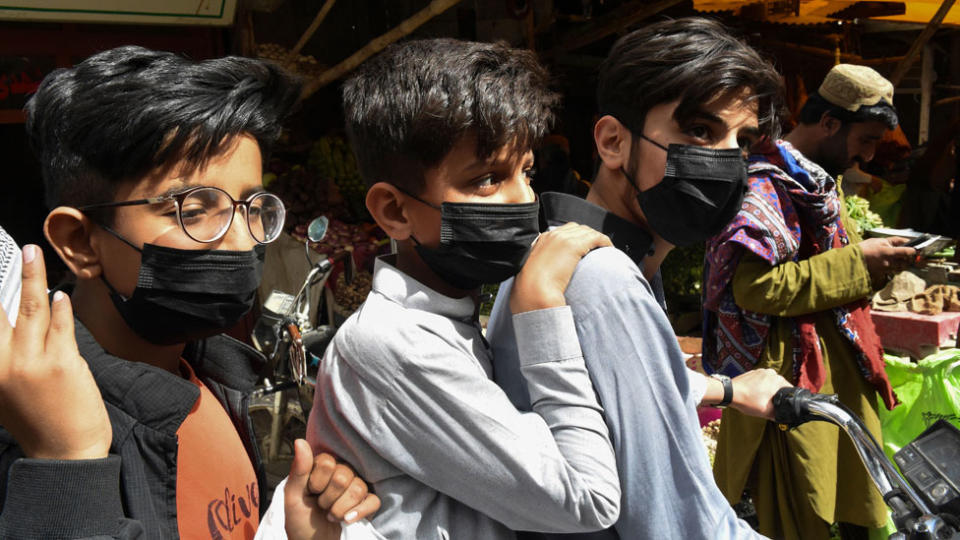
pixel 387 207
pixel 69 232
pixel 613 142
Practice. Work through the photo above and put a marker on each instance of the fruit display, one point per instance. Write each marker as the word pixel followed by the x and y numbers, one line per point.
pixel 349 296
pixel 364 240
pixel 331 157
pixel 862 218
pixel 321 178
pixel 306 66
pixel 304 193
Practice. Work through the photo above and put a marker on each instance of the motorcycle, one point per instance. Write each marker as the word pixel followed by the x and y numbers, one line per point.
pixel 925 500
pixel 286 335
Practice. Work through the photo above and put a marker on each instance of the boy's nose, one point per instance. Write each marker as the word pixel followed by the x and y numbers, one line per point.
pixel 519 191
pixel 238 237
pixel 728 142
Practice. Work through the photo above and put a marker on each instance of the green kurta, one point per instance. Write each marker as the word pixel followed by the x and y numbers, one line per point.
pixel 803 480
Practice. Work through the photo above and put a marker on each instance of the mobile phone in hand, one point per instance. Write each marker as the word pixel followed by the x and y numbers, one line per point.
pixel 928 244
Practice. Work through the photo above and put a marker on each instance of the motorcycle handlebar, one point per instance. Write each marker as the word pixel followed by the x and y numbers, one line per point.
pixel 791 406
pixel 795 406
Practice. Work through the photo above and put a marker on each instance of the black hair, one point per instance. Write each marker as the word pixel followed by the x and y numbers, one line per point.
pixel 816 106
pixel 125 113
pixel 406 108
pixel 692 59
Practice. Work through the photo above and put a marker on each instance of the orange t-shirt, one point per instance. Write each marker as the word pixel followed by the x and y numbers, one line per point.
pixel 217 495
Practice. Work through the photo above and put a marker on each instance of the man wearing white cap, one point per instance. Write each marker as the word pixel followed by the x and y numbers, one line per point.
pixel 786 287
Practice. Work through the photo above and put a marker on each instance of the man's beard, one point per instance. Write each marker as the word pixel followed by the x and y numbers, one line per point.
pixel 833 154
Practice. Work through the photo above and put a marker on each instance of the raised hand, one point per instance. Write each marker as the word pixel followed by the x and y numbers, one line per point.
pixel 320 494
pixel 550 266
pixel 49 400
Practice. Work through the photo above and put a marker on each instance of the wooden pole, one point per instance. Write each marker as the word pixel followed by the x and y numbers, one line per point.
pixel 405 28
pixel 926 93
pixel 946 101
pixel 911 56
pixel 321 15
pixel 832 55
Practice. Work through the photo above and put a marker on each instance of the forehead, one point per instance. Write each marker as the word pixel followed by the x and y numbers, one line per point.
pixel 236 169
pixel 465 155
pixel 736 106
pixel 728 111
pixel 871 129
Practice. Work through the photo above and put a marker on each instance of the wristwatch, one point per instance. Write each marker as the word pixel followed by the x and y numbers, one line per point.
pixel 727 390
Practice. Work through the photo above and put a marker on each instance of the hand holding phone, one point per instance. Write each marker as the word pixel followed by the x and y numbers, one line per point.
pixel 886 257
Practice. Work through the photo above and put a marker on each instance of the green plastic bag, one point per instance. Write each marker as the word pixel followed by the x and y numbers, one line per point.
pixel 929 390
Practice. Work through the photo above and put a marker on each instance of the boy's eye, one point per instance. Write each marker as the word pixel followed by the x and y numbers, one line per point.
pixel 530 173
pixel 699 132
pixel 193 213
pixel 485 181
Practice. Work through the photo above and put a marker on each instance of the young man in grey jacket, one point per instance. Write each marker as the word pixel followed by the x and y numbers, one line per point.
pixel 680 103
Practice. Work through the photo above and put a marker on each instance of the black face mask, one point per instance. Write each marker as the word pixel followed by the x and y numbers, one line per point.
pixel 481 242
pixel 701 192
pixel 183 295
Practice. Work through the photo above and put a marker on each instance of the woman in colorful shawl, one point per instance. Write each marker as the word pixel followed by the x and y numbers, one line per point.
pixel 786 288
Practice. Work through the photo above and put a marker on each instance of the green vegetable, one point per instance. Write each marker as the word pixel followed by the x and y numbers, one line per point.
pixel 945 253
pixel 858 210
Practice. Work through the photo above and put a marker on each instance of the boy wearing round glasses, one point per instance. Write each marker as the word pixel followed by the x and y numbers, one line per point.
pixel 171 300
pixel 137 426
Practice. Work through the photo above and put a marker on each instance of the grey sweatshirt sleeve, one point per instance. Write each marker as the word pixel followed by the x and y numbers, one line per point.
pixel 443 422
pixel 65 499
